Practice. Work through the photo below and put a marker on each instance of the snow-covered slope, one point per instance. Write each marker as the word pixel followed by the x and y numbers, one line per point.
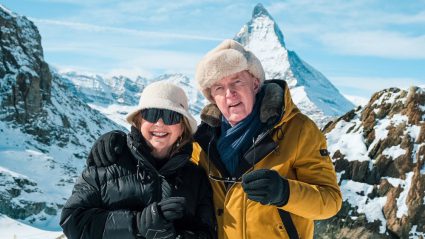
pixel 37 171
pixel 311 90
pixel 46 131
pixel 11 229
pixel 379 154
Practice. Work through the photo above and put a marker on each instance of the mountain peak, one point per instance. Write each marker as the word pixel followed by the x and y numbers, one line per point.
pixel 6 10
pixel 315 93
pixel 263 25
pixel 259 10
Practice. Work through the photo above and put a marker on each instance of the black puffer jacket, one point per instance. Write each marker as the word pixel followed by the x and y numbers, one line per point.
pixel 105 201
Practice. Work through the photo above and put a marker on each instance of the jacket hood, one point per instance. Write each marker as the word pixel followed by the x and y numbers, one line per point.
pixel 276 108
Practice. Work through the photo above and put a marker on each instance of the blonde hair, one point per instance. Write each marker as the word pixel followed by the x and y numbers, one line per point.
pixel 185 137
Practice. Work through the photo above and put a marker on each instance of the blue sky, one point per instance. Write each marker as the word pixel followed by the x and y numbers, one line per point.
pixel 361 46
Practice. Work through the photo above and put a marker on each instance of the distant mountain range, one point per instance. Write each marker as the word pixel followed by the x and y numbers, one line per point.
pixel 116 96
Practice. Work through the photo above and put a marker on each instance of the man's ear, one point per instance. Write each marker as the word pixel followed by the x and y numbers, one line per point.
pixel 256 85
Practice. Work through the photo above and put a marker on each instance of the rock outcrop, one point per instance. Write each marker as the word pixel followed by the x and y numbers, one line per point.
pixel 379 153
pixel 26 78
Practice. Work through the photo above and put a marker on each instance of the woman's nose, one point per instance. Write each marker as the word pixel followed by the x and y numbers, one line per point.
pixel 160 122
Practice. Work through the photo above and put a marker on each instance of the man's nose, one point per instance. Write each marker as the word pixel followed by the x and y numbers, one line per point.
pixel 230 91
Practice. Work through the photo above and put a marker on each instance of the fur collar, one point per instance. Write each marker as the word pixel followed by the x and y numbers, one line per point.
pixel 271 107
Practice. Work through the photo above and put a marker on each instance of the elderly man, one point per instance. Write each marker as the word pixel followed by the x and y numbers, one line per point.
pixel 267 162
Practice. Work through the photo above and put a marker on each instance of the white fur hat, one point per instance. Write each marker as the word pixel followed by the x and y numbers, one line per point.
pixel 226 59
pixel 164 95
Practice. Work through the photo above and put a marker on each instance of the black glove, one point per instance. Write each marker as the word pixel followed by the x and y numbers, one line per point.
pixel 107 149
pixel 266 187
pixel 152 225
pixel 172 208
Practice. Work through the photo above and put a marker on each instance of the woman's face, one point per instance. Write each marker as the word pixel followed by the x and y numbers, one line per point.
pixel 159 136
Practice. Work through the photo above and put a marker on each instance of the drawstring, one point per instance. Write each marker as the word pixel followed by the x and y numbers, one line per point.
pixel 279 133
pixel 138 170
pixel 142 175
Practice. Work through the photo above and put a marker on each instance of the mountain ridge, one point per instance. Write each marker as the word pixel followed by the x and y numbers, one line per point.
pixel 46 131
pixel 317 97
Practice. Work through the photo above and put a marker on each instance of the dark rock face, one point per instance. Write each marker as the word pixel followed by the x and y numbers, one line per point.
pixel 46 131
pixel 392 121
pixel 25 76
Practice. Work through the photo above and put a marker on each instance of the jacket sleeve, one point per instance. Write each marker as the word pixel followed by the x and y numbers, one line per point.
pixel 203 224
pixel 315 193
pixel 85 216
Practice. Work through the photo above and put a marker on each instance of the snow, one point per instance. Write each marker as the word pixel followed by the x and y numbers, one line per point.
pixel 356 194
pixel 414 132
pixel 398 119
pixel 415 156
pixel 115 112
pixel 415 234
pixel 17 230
pixel 394 151
pixel 402 209
pixel 11 173
pixel 8 12
pixel 350 144
pixel 389 97
pixel 395 182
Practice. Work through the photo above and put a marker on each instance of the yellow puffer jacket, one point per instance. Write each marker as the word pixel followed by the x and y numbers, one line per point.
pixel 295 148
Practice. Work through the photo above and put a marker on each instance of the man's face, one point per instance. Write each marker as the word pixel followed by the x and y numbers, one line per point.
pixel 235 95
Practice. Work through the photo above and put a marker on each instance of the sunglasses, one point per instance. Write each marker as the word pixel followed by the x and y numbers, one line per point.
pixel 227 179
pixel 168 116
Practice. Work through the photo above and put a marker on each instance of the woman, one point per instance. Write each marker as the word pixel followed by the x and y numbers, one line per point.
pixel 153 190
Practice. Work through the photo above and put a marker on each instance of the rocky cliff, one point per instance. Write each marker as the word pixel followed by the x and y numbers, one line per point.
pixel 46 131
pixel 26 78
pixel 379 153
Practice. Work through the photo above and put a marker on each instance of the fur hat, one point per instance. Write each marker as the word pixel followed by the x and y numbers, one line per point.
pixel 226 59
pixel 164 95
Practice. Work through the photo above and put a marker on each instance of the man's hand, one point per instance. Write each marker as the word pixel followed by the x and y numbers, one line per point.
pixel 266 187
pixel 152 225
pixel 107 149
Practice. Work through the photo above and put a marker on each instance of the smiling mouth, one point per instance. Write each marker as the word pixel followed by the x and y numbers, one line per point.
pixel 159 134
pixel 234 105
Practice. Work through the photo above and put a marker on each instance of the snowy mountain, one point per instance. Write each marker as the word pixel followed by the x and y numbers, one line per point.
pixel 46 131
pixel 312 92
pixel 116 96
pixel 379 155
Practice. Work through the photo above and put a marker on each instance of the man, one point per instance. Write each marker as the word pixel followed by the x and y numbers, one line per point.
pixel 267 162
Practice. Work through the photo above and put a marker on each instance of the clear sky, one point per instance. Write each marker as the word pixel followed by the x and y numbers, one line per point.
pixel 361 46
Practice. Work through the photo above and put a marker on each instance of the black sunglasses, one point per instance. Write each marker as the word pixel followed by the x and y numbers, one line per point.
pixel 168 116
pixel 226 179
